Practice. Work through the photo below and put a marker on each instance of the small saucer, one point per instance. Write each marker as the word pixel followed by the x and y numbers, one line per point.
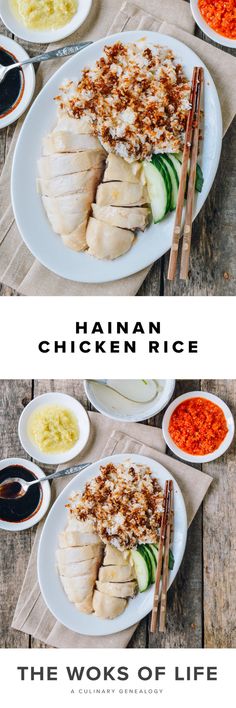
pixel 29 81
pixel 46 495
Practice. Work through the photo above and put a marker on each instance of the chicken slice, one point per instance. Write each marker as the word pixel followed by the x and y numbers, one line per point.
pixel 106 606
pixel 76 538
pixel 118 589
pixel 105 241
pixel 121 194
pixel 124 217
pixel 76 239
pixel 73 570
pixel 67 213
pixel 67 141
pixel 118 169
pixel 75 125
pixel 75 524
pixel 71 183
pixel 67 163
pixel 77 589
pixel 65 556
pixel 113 556
pixel 116 573
pixel 86 605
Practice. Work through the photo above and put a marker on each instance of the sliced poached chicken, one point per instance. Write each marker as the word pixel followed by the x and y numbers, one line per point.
pixel 121 194
pixel 107 607
pixel 123 217
pixel 106 241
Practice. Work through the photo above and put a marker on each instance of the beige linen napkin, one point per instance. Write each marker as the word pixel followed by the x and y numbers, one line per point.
pixel 108 438
pixel 18 268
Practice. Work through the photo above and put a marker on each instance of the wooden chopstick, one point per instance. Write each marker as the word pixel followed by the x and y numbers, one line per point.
pixel 163 602
pixel 182 184
pixel 187 235
pixel 159 561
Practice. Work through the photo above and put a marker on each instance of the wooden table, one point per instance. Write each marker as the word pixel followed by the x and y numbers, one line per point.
pixel 202 600
pixel 213 252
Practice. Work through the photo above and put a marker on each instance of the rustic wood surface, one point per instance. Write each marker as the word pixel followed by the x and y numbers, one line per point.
pixel 202 600
pixel 213 252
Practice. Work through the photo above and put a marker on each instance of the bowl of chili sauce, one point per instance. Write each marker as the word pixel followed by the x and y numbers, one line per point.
pixel 198 427
pixel 216 18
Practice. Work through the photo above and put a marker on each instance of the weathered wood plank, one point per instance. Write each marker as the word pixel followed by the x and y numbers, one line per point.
pixel 15 547
pixel 219 538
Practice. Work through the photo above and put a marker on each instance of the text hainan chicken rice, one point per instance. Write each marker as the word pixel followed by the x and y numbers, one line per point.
pixel 137 98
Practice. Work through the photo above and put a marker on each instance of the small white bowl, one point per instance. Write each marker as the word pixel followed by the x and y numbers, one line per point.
pixel 115 406
pixel 46 495
pixel 215 36
pixel 59 399
pixel 198 458
pixel 29 76
pixel 43 36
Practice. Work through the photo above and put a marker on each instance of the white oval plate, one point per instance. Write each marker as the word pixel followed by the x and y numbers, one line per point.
pixel 22 525
pixel 30 216
pixel 215 36
pixel 50 585
pixel 57 399
pixel 198 458
pixel 29 75
pixel 114 406
pixel 40 36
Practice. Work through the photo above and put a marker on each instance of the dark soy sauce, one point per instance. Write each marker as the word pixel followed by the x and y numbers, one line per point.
pixel 12 87
pixel 22 508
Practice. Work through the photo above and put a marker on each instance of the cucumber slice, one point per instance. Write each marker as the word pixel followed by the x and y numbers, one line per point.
pixel 199 179
pixel 199 174
pixel 154 549
pixel 176 162
pixel 160 165
pixel 173 178
pixel 157 189
pixel 143 568
pixel 153 562
pixel 171 561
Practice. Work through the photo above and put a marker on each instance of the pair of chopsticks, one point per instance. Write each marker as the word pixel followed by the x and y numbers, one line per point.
pixel 190 152
pixel 163 560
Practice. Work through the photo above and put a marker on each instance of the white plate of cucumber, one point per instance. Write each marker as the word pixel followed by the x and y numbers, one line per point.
pixel 50 584
pixel 150 245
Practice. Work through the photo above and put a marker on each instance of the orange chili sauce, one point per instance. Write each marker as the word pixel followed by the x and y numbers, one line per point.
pixel 220 15
pixel 198 426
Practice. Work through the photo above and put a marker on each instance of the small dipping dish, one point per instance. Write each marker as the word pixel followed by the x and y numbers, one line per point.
pixel 17 89
pixel 22 513
pixel 48 400
pixel 115 406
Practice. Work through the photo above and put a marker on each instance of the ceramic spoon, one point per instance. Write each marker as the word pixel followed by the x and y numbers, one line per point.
pixel 15 487
pixel 136 390
pixel 62 52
